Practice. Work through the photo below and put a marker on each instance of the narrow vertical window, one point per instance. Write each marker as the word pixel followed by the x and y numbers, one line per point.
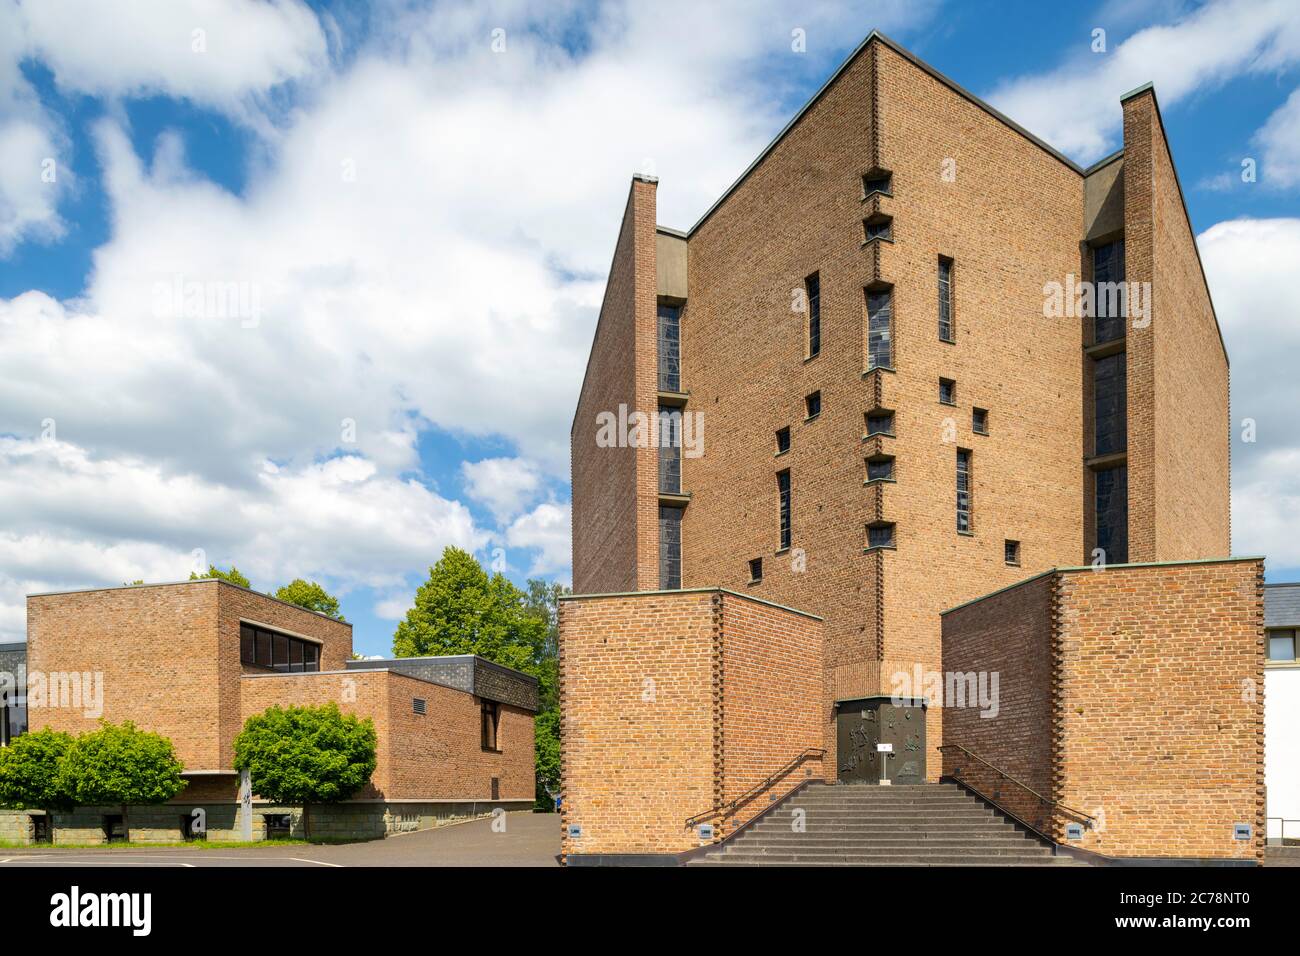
pixel 1110 404
pixel 979 421
pixel 782 440
pixel 783 492
pixel 490 722
pixel 813 289
pixel 670 548
pixel 1110 300
pixel 947 391
pixel 670 348
pixel 963 490
pixel 880 317
pixel 813 404
pixel 1112 514
pixel 755 570
pixel 670 450
pixel 945 300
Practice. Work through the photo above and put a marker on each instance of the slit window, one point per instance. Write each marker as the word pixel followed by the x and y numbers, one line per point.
pixel 963 490
pixel 813 290
pixel 670 348
pixel 880 320
pixel 669 424
pixel 945 300
pixel 1110 300
pixel 670 548
pixel 783 507
pixel 1112 514
pixel 1110 404
pixel 490 720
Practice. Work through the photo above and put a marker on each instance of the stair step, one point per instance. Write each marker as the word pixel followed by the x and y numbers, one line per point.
pixel 969 862
pixel 857 859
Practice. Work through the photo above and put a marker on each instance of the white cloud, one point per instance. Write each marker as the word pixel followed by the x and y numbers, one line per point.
pixel 505 485
pixel 546 528
pixel 1250 264
pixel 1279 138
pixel 1076 106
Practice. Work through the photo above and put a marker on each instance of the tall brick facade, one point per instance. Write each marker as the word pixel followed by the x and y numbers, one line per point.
pixel 889 170
pixel 1133 696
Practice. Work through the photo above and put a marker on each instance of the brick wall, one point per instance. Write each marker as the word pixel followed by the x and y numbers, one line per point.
pixel 1154 680
pixel 674 703
pixel 615 503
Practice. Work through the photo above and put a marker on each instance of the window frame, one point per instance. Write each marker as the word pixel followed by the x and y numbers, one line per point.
pixel 947 322
pixel 880 328
pixel 965 491
pixel 876 417
pixel 951 385
pixel 668 347
pixel 254 639
pixel 813 296
pixel 785 510
pixel 780 432
pixel 809 400
pixel 755 570
pixel 1283 633
pixel 887 527
pixel 490 726
pixel 978 425
pixel 1011 552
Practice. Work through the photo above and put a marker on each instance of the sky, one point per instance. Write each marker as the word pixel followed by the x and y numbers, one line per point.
pixel 309 288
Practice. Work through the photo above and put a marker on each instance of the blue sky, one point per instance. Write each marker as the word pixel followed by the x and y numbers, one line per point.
pixel 415 204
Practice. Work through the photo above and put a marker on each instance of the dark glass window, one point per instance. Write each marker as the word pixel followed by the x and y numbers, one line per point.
pixel 114 828
pixel 670 450
pixel 881 424
pixel 880 468
pixel 260 647
pixel 880 317
pixel 880 536
pixel 1281 645
pixel 945 300
pixel 278 826
pixel 1112 514
pixel 979 421
pixel 882 228
pixel 756 569
pixel 876 182
pixel 947 391
pixel 491 720
pixel 783 511
pixel 813 404
pixel 1107 270
pixel 782 440
pixel 670 348
pixel 1011 550
pixel 813 287
pixel 670 548
pixel 1110 403
pixel 963 489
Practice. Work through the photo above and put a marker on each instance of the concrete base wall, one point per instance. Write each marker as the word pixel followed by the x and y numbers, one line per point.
pixel 345 821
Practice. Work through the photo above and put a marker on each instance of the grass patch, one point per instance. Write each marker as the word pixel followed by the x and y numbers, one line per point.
pixel 144 845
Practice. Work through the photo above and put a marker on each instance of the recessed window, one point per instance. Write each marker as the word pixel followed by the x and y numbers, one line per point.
pixel 963 490
pixel 813 404
pixel 670 348
pixel 880 469
pixel 979 421
pixel 945 300
pixel 114 828
pixel 877 181
pixel 1109 292
pixel 1011 550
pixel 669 424
pixel 947 391
pixel 880 423
pixel 1281 646
pixel 260 647
pixel 419 705
pixel 878 227
pixel 1112 514
pixel 782 440
pixel 880 536
pixel 783 506
pixel 670 548
pixel 1110 404
pixel 490 722
pixel 813 289
pixel 880 319
pixel 755 570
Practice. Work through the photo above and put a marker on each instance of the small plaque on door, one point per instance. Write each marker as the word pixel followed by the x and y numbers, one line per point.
pixel 885 748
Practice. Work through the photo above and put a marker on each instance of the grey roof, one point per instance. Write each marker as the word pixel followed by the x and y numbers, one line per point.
pixel 1282 605
pixel 465 672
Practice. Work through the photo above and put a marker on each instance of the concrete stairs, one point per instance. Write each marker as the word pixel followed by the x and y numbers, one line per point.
pixel 863 825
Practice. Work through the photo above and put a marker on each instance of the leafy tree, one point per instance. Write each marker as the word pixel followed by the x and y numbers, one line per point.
pixel 460 610
pixel 312 596
pixel 30 772
pixel 233 576
pixel 543 602
pixel 306 755
pixel 119 764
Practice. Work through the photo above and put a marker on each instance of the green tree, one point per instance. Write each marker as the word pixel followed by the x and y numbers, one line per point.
pixel 30 772
pixel 461 610
pixel 233 576
pixel 543 602
pixel 306 755
pixel 312 596
pixel 120 764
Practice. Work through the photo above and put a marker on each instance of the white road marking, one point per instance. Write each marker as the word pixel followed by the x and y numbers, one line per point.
pixel 317 862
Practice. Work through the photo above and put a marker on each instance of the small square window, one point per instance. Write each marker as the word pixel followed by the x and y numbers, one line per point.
pixel 1012 551
pixel 1281 645
pixel 880 469
pixel 947 391
pixel 880 227
pixel 755 570
pixel 877 181
pixel 979 421
pixel 419 705
pixel 813 404
pixel 880 536
pixel 782 440
pixel 881 423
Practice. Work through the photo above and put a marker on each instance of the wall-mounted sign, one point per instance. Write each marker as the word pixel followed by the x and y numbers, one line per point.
pixel 1074 831
pixel 885 748
pixel 1241 831
pixel 706 831
pixel 575 831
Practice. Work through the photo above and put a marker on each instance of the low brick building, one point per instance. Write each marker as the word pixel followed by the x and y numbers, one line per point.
pixel 194 660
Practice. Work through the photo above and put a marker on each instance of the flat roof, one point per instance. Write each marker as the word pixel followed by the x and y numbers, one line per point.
pixel 173 584
pixel 747 597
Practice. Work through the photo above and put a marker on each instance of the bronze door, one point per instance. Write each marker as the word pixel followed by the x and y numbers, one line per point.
pixel 862 725
pixel 857 733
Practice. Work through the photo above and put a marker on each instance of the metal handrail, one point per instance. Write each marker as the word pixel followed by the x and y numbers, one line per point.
pixel 757 788
pixel 1091 820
